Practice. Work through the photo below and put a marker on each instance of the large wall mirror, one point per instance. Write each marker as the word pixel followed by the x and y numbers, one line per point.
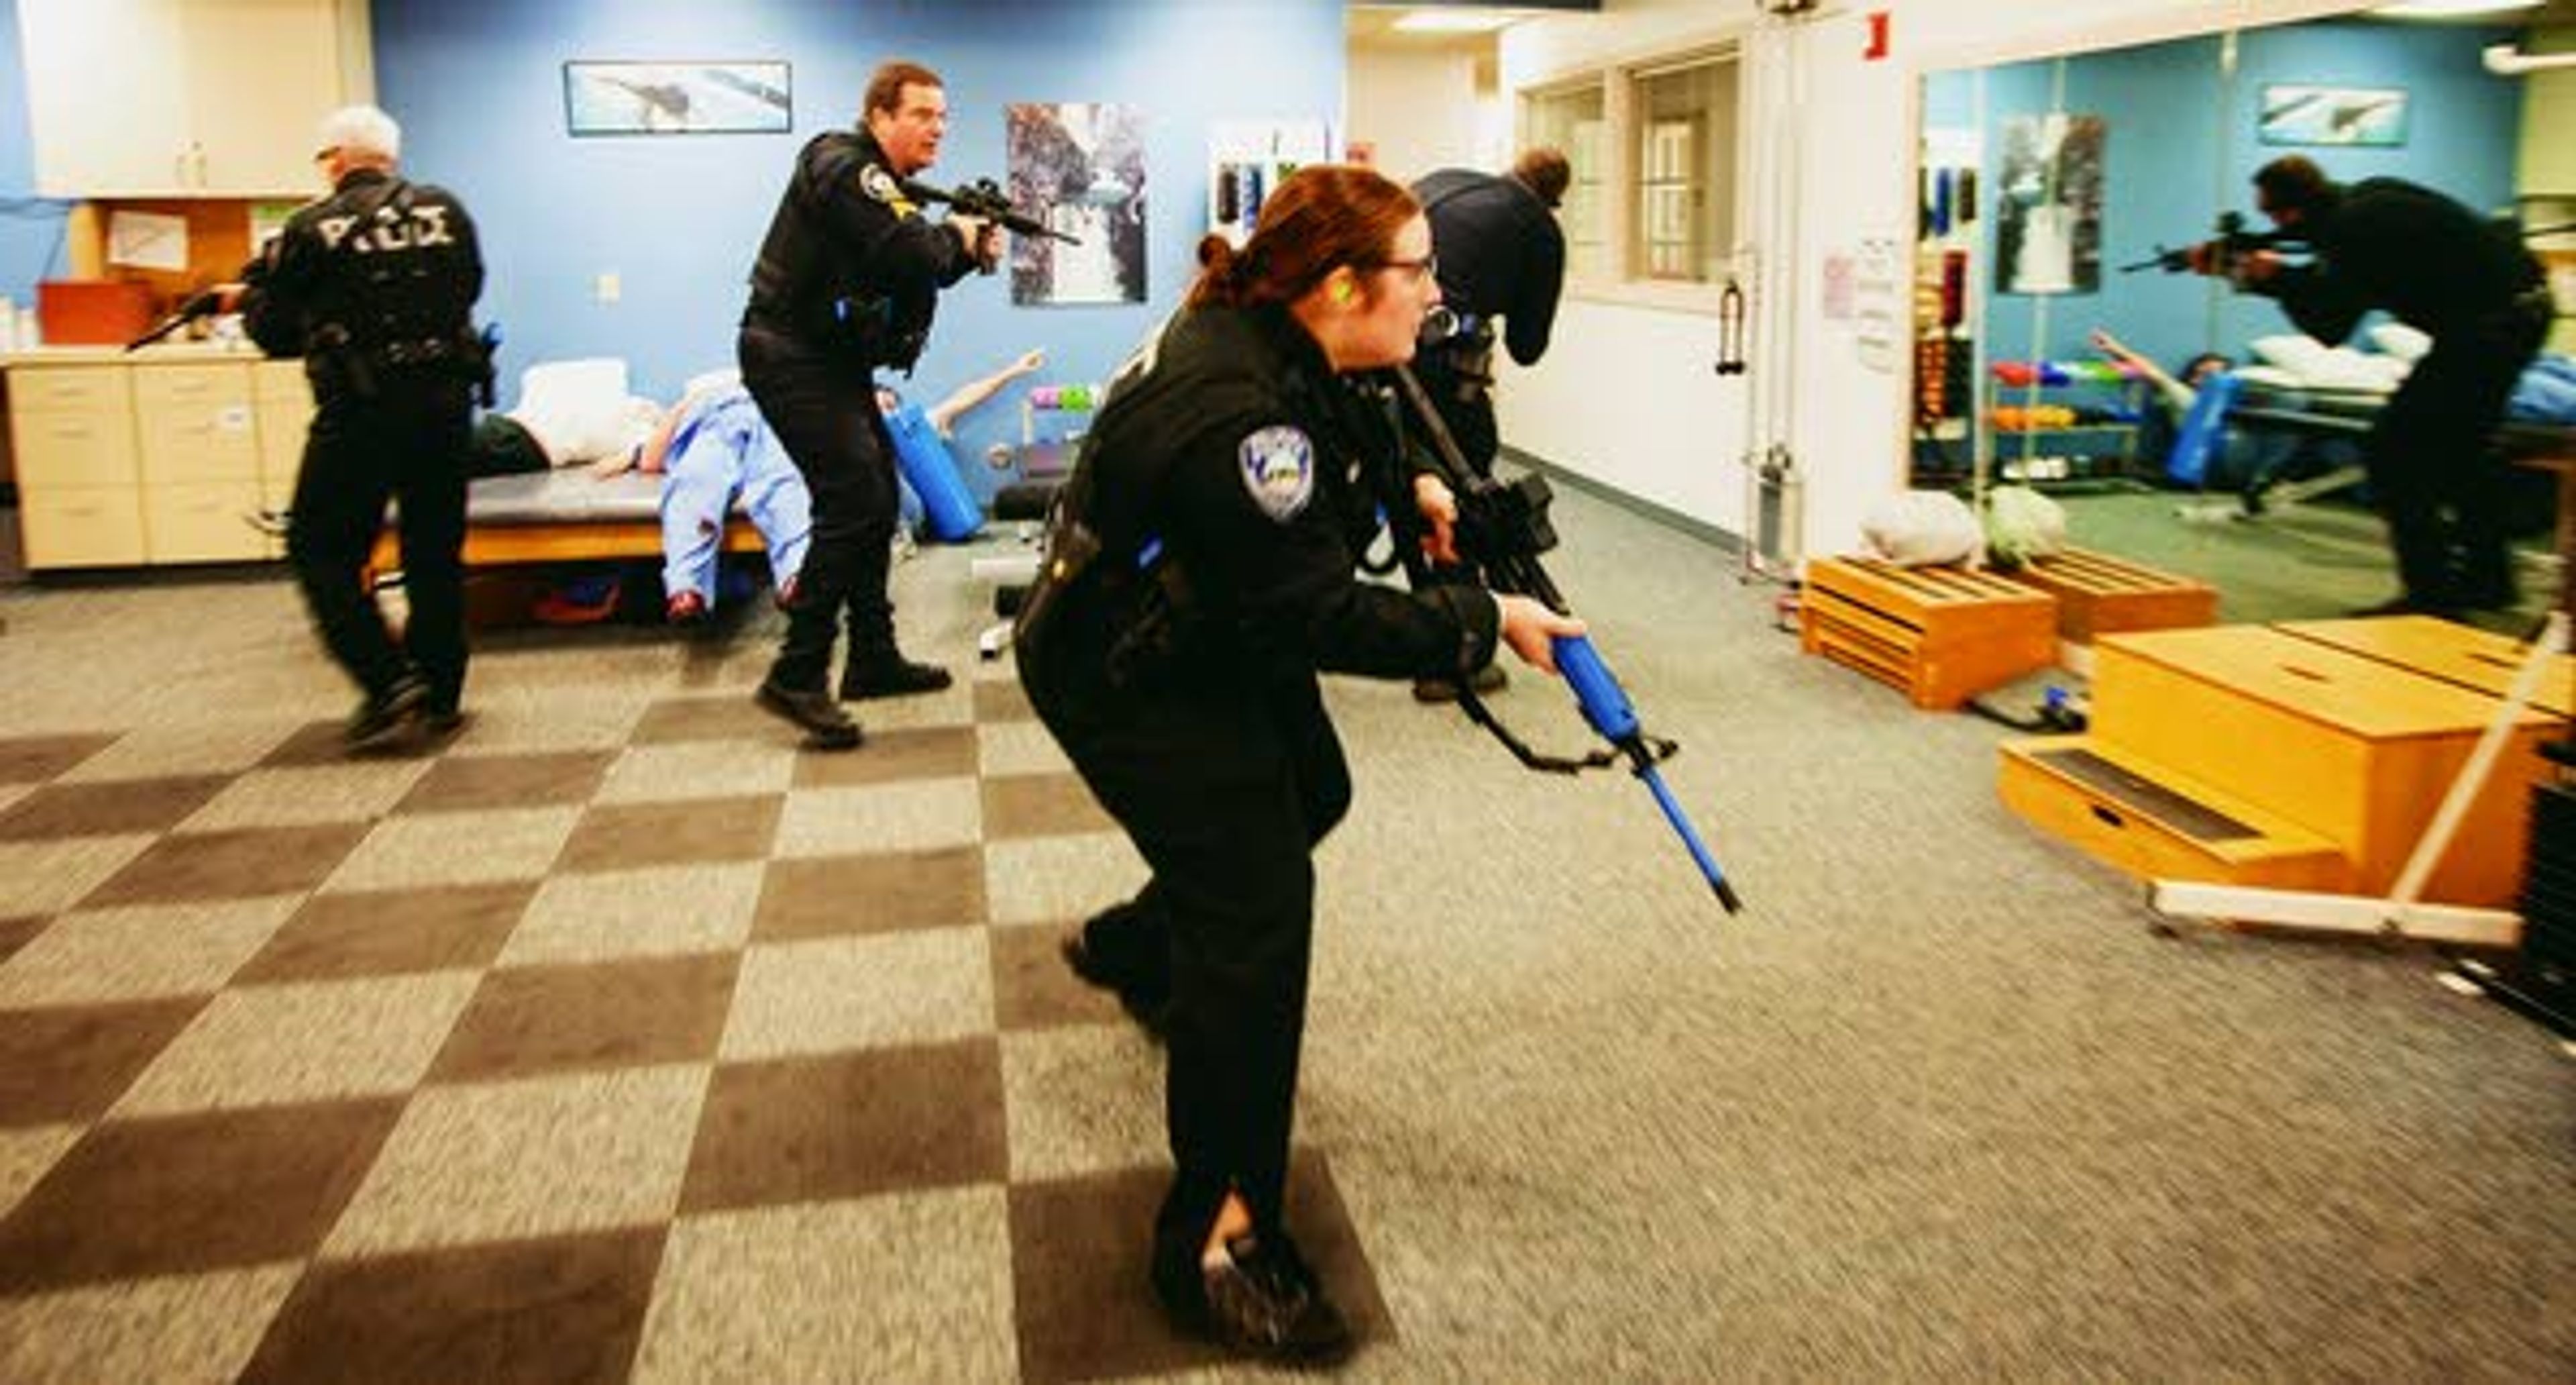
pixel 2053 348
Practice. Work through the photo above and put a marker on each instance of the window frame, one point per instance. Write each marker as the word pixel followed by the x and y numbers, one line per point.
pixel 1623 277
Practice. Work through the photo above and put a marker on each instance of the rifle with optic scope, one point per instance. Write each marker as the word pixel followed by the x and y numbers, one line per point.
pixel 983 198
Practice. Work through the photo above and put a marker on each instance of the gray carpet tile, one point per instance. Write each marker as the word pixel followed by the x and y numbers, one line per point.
pixel 617 1037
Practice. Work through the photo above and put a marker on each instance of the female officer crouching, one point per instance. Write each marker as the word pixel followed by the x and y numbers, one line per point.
pixel 1201 572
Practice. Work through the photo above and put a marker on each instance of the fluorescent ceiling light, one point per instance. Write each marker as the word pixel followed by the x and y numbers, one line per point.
pixel 1453 21
pixel 2452 9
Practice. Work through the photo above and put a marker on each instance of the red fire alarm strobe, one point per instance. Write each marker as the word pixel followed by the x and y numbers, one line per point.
pixel 1877 48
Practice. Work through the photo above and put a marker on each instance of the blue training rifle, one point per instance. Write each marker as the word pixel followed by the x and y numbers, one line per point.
pixel 1500 532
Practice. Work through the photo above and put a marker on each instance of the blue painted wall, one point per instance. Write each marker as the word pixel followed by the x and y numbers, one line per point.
pixel 2181 146
pixel 31 230
pixel 477 85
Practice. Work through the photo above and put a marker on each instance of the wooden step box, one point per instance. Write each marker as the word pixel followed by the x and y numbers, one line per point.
pixel 2354 749
pixel 2101 595
pixel 1941 635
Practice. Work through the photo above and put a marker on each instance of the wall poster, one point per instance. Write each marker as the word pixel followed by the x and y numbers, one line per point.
pixel 2048 230
pixel 1080 167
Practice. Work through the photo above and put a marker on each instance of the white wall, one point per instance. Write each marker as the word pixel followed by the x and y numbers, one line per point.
pixel 1625 395
pixel 1421 109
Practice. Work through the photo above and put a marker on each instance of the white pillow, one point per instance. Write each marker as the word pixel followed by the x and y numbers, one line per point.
pixel 2296 352
pixel 711 381
pixel 1921 528
pixel 573 407
pixel 2401 341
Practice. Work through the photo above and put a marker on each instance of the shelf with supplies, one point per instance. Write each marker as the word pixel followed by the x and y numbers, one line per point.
pixel 2063 420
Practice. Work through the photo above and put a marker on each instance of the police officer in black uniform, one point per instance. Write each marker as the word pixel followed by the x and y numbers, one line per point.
pixel 1502 255
pixel 374 286
pixel 1199 574
pixel 847 281
pixel 2469 283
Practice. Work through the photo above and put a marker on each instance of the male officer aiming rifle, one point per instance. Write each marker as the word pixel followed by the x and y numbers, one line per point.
pixel 847 281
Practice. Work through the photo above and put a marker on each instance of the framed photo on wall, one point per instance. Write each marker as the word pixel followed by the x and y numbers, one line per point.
pixel 2356 117
pixel 1080 166
pixel 677 98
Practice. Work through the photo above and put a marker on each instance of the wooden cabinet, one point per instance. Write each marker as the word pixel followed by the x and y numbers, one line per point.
pixel 182 98
pixel 80 500
pixel 125 461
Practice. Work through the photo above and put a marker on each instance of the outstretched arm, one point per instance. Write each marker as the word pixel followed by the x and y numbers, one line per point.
pixel 2175 391
pixel 947 411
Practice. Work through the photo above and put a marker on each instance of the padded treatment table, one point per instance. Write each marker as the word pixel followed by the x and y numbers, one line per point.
pixel 565 515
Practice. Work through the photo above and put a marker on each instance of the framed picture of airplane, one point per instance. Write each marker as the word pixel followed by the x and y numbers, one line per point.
pixel 2356 117
pixel 677 98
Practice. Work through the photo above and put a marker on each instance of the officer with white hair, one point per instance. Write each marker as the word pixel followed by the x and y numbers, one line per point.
pixel 374 286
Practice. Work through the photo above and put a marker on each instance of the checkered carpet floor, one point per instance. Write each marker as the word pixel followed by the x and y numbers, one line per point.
pixel 691 1056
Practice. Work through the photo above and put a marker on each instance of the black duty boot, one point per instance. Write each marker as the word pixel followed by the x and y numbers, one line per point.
pixel 886 673
pixel 1261 1302
pixel 384 714
pixel 825 725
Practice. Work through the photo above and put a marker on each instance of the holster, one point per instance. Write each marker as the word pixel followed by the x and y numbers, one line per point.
pixel 337 366
pixel 1065 561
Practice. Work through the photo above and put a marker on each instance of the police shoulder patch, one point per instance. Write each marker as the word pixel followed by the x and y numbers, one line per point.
pixel 1278 465
pixel 879 184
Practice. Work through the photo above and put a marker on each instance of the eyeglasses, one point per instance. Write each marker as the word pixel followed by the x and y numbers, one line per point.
pixel 324 155
pixel 1428 267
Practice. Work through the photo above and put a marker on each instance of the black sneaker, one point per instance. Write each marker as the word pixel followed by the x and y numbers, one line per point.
pixel 889 675
pixel 825 725
pixel 383 715
pixel 1147 1003
pixel 441 720
pixel 1262 1302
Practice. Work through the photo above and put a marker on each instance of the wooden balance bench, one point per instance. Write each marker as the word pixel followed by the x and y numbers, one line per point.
pixel 1940 635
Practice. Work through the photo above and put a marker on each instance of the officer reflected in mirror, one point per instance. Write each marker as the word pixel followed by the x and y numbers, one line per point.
pixel 374 287
pixel 847 281
pixel 2388 245
pixel 1201 571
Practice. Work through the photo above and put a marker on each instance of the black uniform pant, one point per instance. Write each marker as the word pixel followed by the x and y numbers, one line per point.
pixel 823 408
pixel 1225 789
pixel 2434 470
pixel 1459 380
pixel 408 443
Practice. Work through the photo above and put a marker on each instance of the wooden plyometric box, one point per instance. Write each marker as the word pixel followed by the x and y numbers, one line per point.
pixel 2447 650
pixel 1941 635
pixel 2355 750
pixel 2101 595
pixel 2154 824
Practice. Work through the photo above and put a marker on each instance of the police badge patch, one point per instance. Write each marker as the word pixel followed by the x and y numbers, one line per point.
pixel 1279 470
pixel 879 184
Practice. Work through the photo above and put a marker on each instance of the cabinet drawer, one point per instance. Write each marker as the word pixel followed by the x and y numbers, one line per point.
pixel 282 425
pixel 48 389
pixel 280 380
pixel 82 448
pixel 82 526
pixel 203 443
pixel 190 388
pixel 205 523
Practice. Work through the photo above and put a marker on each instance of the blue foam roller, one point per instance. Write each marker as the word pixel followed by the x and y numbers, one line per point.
pixel 923 459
